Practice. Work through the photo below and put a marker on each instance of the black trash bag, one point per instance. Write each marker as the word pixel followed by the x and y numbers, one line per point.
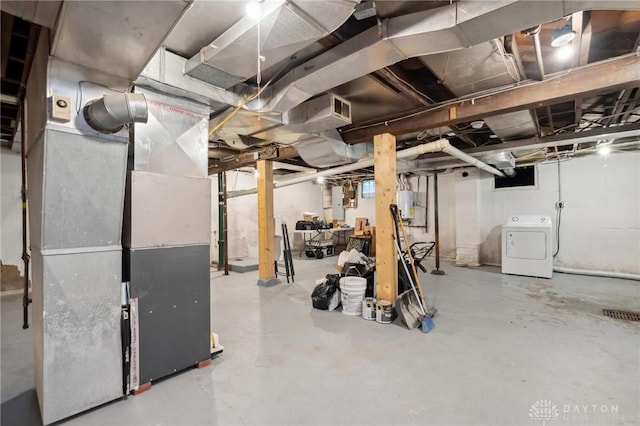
pixel 324 292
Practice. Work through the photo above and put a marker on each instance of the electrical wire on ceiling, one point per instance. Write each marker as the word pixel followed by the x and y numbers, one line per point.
pixel 411 86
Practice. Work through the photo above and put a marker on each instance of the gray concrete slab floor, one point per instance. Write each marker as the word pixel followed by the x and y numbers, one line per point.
pixel 502 348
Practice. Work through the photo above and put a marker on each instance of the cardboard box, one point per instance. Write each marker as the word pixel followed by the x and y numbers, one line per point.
pixel 361 223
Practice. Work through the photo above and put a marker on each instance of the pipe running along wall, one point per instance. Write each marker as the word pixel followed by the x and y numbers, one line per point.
pixel 441 145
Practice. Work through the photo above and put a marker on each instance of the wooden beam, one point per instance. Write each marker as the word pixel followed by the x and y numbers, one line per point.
pixel 384 152
pixel 599 78
pixel 7 29
pixel 583 36
pixel 249 158
pixel 266 224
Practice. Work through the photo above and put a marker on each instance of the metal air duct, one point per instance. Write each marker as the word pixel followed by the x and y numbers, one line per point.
pixel 328 150
pixel 111 112
pixel 502 161
pixel 456 26
pixel 483 67
pixel 284 29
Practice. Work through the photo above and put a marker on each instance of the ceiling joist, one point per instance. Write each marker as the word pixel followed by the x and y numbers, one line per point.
pixel 602 77
pixel 249 158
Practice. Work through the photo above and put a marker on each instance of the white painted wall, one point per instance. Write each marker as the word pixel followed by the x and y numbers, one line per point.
pixel 446 184
pixel 10 210
pixel 242 212
pixel 600 228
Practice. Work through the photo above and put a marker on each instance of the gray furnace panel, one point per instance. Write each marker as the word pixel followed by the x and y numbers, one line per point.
pixel 172 287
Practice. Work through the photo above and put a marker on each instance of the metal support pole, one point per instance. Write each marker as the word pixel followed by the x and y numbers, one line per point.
pixel 436 271
pixel 220 222
pixel 225 235
pixel 23 192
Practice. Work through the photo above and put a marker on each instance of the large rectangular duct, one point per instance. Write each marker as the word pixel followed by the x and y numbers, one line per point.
pixel 285 28
pixel 478 68
pixel 166 210
pixel 167 235
pixel 328 149
pixel 324 113
pixel 76 178
pixel 171 141
pixel 76 193
pixel 78 351
pixel 116 38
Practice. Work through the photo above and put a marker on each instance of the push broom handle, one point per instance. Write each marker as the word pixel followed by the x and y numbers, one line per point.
pixel 408 249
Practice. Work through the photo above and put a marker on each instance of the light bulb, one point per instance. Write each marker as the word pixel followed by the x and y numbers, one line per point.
pixel 320 179
pixel 253 9
pixel 564 52
pixel 603 149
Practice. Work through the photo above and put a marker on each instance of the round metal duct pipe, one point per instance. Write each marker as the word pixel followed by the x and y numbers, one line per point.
pixel 110 113
pixel 509 171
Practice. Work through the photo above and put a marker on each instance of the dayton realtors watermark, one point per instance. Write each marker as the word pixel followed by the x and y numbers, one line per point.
pixel 547 412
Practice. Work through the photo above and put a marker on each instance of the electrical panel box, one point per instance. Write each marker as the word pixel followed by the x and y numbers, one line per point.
pixel 336 203
pixel 405 201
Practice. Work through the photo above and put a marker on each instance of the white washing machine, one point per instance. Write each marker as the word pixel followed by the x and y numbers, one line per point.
pixel 527 246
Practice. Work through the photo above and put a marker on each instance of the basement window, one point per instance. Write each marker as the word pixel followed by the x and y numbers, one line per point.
pixel 368 188
pixel 525 177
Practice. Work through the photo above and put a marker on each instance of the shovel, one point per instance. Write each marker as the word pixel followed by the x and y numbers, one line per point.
pixel 409 304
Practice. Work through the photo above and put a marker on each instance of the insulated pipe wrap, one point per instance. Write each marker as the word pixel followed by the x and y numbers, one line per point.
pixel 110 113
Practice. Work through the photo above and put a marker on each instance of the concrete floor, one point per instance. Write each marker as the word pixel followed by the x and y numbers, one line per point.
pixel 501 343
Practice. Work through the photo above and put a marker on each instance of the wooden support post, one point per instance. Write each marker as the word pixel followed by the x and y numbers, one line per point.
pixel 266 224
pixel 386 257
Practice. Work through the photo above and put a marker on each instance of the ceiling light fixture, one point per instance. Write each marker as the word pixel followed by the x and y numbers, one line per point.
pixel 603 148
pixel 320 179
pixel 564 52
pixel 254 9
pixel 562 36
pixel 477 124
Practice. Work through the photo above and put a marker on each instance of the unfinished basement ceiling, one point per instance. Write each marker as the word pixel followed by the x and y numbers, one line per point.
pixel 397 89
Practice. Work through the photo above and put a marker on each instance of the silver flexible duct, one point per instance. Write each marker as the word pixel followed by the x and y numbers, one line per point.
pixel 110 113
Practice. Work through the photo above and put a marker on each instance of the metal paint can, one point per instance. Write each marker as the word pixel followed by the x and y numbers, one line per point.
pixel 369 309
pixel 384 312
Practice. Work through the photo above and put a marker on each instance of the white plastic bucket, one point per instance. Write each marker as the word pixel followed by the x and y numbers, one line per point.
pixel 353 290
